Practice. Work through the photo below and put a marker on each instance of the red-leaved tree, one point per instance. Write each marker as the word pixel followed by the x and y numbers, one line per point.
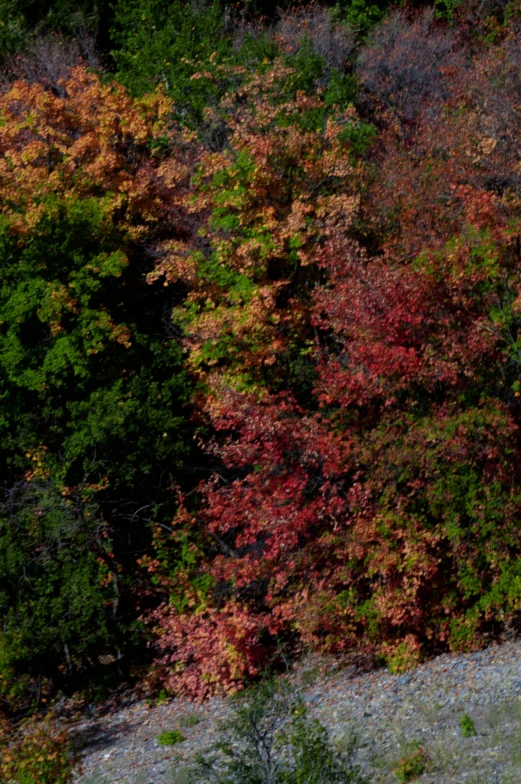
pixel 381 513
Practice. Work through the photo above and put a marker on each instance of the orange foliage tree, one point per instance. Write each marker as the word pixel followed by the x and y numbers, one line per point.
pixel 91 140
pixel 265 202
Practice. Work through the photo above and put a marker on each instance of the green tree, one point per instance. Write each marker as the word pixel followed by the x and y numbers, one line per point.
pixel 93 395
pixel 54 593
pixel 92 387
pixel 169 43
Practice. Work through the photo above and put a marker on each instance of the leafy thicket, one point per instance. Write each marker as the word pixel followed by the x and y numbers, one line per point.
pixel 259 336
pixel 37 753
pixel 356 337
pixel 93 394
pixel 190 50
pixel 166 32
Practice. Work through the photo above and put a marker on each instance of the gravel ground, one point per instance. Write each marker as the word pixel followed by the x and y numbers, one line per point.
pixel 389 714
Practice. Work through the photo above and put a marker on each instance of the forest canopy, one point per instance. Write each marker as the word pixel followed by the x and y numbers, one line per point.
pixel 260 311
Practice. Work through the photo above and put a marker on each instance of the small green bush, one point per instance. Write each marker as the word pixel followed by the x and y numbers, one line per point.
pixel 12 28
pixel 161 697
pixel 468 730
pixel 447 9
pixel 271 739
pixel 170 738
pixel 411 765
pixel 169 43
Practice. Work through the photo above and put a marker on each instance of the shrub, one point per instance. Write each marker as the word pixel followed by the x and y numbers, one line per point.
pixel 265 212
pixel 214 651
pixel 38 753
pixel 12 30
pixel 189 720
pixel 331 39
pixel 404 63
pixel 484 16
pixel 170 738
pixel 447 9
pixel 271 739
pixel 403 655
pixel 48 61
pixel 468 730
pixel 23 21
pixel 383 513
pixel 363 15
pixel 178 44
pixel 53 586
pixel 412 765
pixel 91 381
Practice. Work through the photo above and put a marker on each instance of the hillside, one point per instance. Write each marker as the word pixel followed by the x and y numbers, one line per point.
pixel 260 350
pixel 389 714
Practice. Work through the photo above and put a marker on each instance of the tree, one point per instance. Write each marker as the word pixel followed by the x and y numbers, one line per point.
pixel 91 377
pixel 378 511
pixel 265 202
pixel 77 19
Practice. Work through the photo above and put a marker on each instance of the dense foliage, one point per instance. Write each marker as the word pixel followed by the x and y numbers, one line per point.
pixel 92 389
pixel 259 336
pixel 37 753
pixel 369 498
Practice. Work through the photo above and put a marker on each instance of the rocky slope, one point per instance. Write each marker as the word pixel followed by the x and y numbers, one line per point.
pixel 391 715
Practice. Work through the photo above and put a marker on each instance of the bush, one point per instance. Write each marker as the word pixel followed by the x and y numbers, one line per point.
pixel 412 765
pixel 48 60
pixel 362 15
pixel 170 43
pixel 388 520
pixel 53 587
pixel 189 720
pixel 39 753
pixel 330 38
pixel 271 739
pixel 12 29
pixel 170 738
pixel 404 63
pixel 23 20
pixel 190 48
pixel 91 378
pixel 468 729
